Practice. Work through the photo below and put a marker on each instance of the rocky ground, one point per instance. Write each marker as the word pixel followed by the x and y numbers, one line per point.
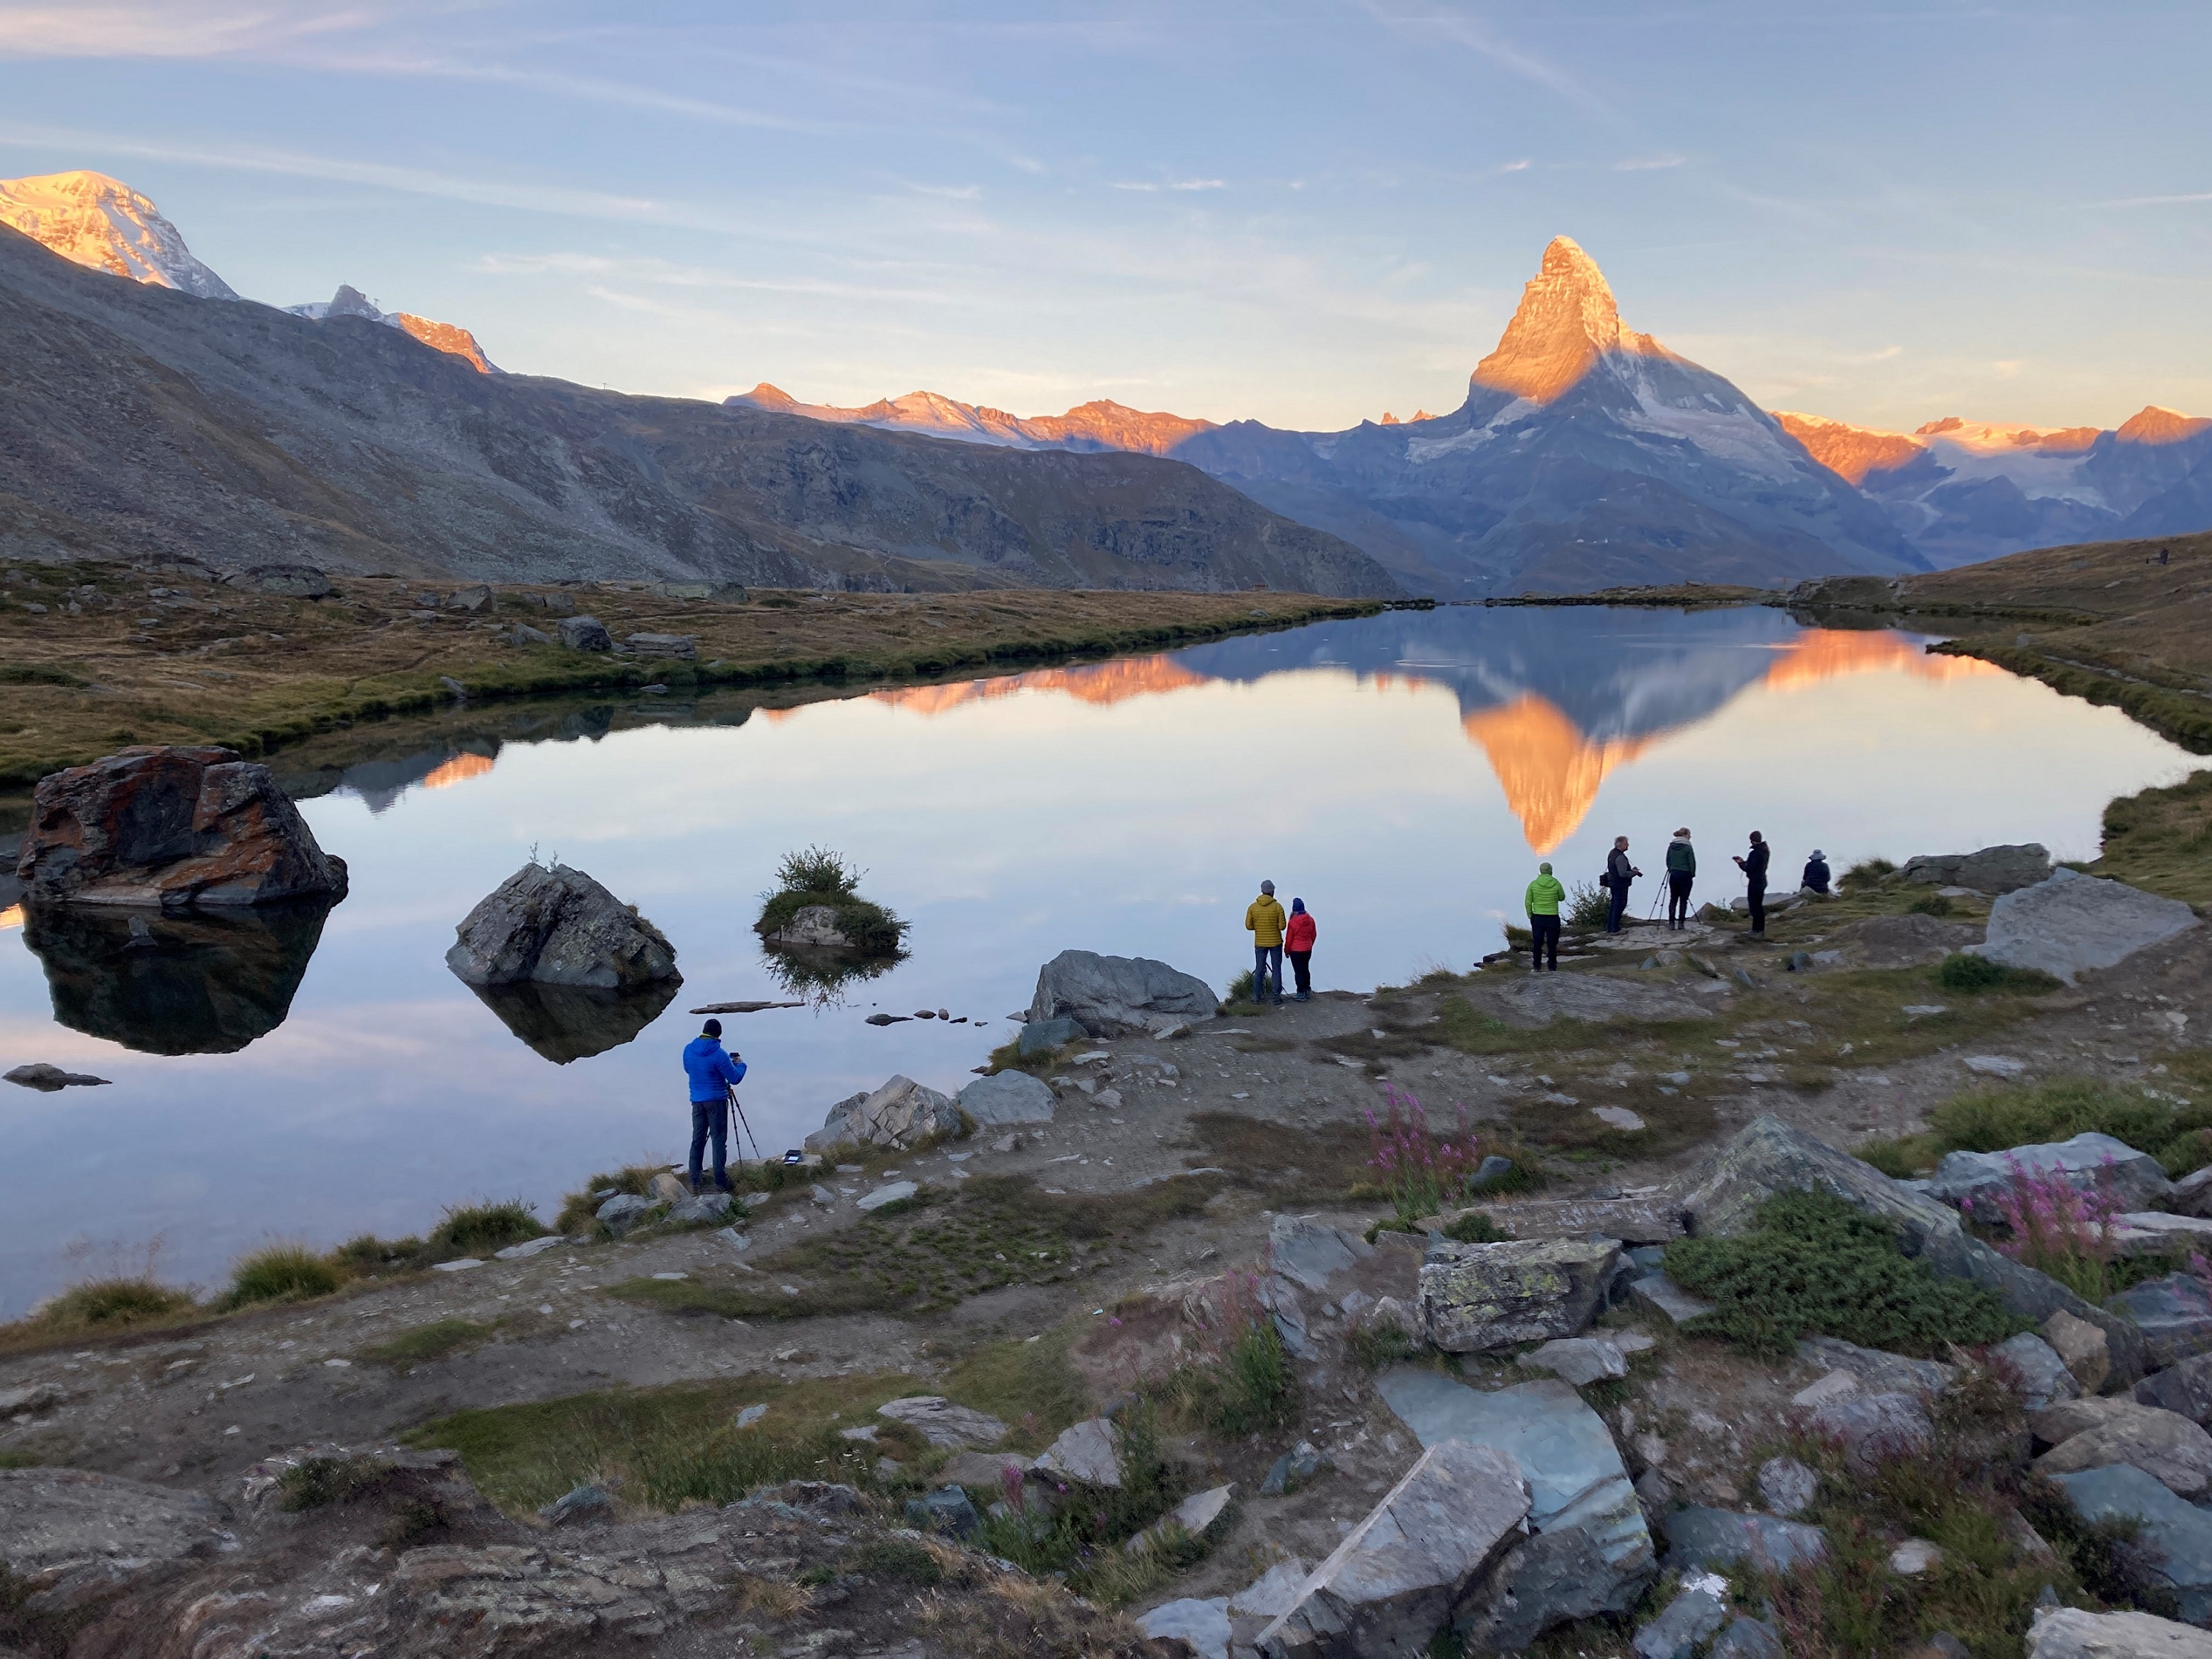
pixel 1045 1273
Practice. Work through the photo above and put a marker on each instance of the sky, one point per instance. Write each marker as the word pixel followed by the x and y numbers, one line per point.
pixel 1307 213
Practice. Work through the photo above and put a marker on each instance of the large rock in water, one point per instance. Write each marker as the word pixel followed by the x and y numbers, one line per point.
pixel 1591 1552
pixel 1477 1296
pixel 1117 996
pixel 1992 870
pixel 2073 923
pixel 1395 1579
pixel 1768 1156
pixel 171 827
pixel 900 1114
pixel 2088 1163
pixel 558 926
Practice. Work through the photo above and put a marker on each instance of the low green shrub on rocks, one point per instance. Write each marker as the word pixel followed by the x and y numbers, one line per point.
pixel 1993 1120
pixel 480 1229
pixel 1963 971
pixel 281 1272
pixel 815 875
pixel 1813 1265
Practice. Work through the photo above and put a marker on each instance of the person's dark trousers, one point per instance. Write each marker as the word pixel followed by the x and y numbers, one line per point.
pixel 710 1120
pixel 1546 937
pixel 1267 971
pixel 1616 905
pixel 1758 896
pixel 1300 962
pixel 1678 897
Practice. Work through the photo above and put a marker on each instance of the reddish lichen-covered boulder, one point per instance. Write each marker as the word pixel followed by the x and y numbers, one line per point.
pixel 171 826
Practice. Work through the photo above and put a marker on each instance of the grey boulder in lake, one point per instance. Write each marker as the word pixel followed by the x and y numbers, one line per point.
pixel 1118 996
pixel 2073 923
pixel 558 926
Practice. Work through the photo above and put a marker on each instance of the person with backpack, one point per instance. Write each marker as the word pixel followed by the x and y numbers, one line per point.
pixel 712 1074
pixel 1543 899
pixel 1681 873
pixel 1754 865
pixel 1298 944
pixel 1619 873
pixel 1263 919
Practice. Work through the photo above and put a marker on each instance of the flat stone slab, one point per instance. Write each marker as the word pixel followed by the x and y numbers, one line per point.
pixel 1658 1291
pixel 1878 1370
pixel 941 1422
pixel 1477 1296
pixel 889 1192
pixel 1655 1220
pixel 2044 1378
pixel 1697 1537
pixel 2163 1445
pixel 1007 1098
pixel 2070 1633
pixel 529 1247
pixel 1395 1579
pixel 1203 1625
pixel 1578 1361
pixel 2174 1314
pixel 1309 1254
pixel 2179 1532
pixel 1976 1181
pixel 1538 1000
pixel 2072 924
pixel 76 1535
pixel 1195 1515
pixel 1089 1452
pixel 985 1469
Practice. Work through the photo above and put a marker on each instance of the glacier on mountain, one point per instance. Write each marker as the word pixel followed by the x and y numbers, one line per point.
pixel 102 223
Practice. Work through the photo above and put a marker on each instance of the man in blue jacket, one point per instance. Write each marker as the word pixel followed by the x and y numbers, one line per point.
pixel 713 1074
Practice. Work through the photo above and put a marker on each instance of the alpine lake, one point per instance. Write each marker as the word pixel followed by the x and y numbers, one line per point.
pixel 315 1074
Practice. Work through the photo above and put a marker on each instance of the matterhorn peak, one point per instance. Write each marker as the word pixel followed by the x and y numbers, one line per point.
pixel 1566 321
pixel 102 222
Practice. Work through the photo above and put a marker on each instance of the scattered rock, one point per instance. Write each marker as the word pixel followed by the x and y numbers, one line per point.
pixel 1836 1385
pixel 559 926
pixel 2184 1387
pixel 73 1537
pixel 1196 1515
pixel 1005 1098
pixel 585 633
pixel 1906 941
pixel 1088 1453
pixel 1787 1486
pixel 48 1079
pixel 287 581
pixel 1652 1220
pixel 578 1506
pixel 901 1115
pixel 1309 1254
pixel 2070 1633
pixel 1618 1117
pixel 1040 1034
pixel 1914 1557
pixel 2177 1535
pixel 1874 1427
pixel 1875 1369
pixel 947 1509
pixel 622 1212
pixel 1537 1000
pixel 1663 1295
pixel 941 1422
pixel 1992 870
pixel 1578 1361
pixel 1295 1467
pixel 707 1209
pixel 2155 1233
pixel 887 1020
pixel 1995 1066
pixel 1975 1181
pixel 1592 1550
pixel 2095 1434
pixel 1202 1627
pixel 2084 1349
pixel 892 1191
pixel 524 634
pixel 32 1397
pixel 1477 1296
pixel 666 1188
pixel 1697 1537
pixel 663 645
pixel 1746 1637
pixel 1399 1574
pixel 2173 1314
pixel 2044 1377
pixel 1696 1614
pixel 2073 923
pixel 171 827
pixel 1117 996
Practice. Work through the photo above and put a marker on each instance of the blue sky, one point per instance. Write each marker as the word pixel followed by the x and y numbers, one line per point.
pixel 1302 213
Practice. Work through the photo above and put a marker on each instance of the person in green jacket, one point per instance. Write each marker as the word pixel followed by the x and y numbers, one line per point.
pixel 1263 919
pixel 1543 901
pixel 1681 871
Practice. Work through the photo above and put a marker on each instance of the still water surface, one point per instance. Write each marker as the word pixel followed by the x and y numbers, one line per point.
pixel 1401 773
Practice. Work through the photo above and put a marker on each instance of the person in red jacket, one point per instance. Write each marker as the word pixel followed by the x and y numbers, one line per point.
pixel 1298 946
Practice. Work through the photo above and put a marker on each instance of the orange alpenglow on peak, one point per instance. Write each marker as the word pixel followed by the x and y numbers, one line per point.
pixel 2154 425
pixel 1566 321
pixel 1388 419
pixel 1852 453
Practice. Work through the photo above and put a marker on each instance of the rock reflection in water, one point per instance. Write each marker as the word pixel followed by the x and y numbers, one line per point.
pixel 574 1021
pixel 190 983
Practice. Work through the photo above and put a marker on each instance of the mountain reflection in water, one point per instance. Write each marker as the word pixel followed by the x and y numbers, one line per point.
pixel 196 983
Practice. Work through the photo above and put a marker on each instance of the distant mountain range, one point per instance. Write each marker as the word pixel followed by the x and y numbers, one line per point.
pixel 140 421
pixel 102 223
pixel 1964 491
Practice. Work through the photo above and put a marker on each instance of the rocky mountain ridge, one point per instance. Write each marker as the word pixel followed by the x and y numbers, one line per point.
pixel 350 301
pixel 143 422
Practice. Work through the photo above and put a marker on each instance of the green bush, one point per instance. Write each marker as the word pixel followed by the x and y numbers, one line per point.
pixel 1586 907
pixel 815 875
pixel 317 1481
pixel 818 871
pixel 1475 1228
pixel 111 1304
pixel 1991 1120
pixel 1962 971
pixel 280 1273
pixel 480 1229
pixel 1811 1265
pixel 1868 872
pixel 1247 1387
pixel 1240 988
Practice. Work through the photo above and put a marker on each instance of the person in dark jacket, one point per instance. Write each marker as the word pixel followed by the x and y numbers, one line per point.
pixel 1816 872
pixel 712 1074
pixel 1298 944
pixel 1682 872
pixel 1753 865
pixel 1618 873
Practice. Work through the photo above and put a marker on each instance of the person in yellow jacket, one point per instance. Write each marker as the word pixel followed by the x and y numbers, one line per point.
pixel 1263 919
pixel 1543 900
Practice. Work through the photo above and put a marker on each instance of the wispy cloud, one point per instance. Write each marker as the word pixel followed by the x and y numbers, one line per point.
pixel 2008 367
pixel 173 29
pixel 952 193
pixel 1173 184
pixel 1648 163
pixel 663 273
pixel 1467 32
pixel 1521 166
pixel 2194 196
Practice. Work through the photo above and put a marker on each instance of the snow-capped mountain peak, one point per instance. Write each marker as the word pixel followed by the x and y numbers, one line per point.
pixel 1566 321
pixel 449 338
pixel 103 223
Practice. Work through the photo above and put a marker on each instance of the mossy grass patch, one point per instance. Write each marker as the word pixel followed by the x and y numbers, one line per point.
pixel 284 1271
pixel 420 1344
pixel 1994 1119
pixel 2161 840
